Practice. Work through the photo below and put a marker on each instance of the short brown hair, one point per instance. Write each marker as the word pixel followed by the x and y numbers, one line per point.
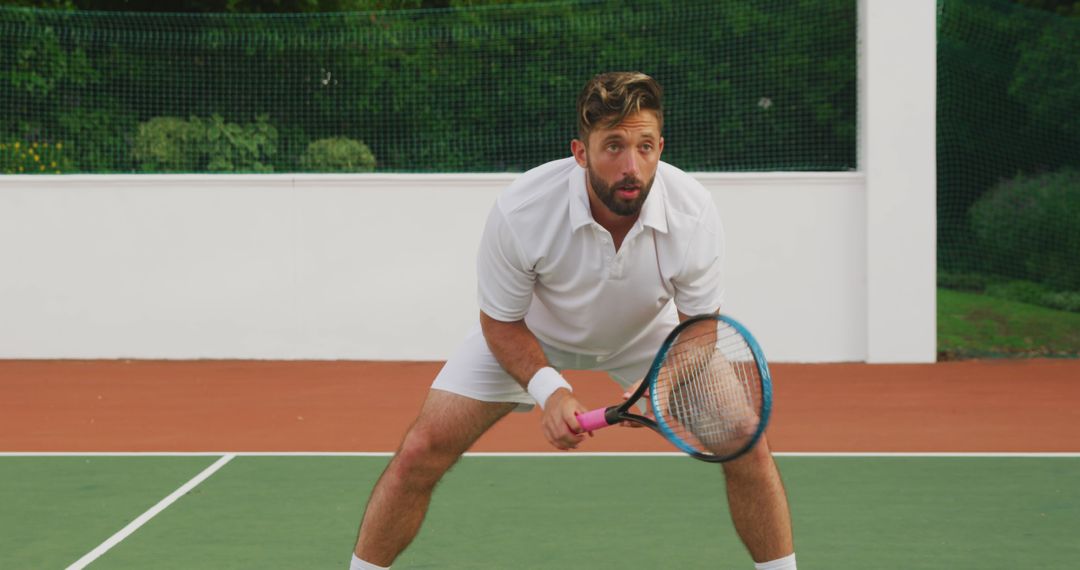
pixel 609 98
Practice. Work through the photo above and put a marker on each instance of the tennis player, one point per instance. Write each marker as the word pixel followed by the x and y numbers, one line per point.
pixel 586 263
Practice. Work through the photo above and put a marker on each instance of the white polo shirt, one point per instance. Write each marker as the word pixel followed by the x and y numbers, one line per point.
pixel 545 259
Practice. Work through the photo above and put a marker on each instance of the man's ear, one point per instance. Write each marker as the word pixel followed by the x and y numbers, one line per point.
pixel 578 149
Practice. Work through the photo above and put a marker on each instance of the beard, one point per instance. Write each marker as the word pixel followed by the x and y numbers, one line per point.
pixel 620 206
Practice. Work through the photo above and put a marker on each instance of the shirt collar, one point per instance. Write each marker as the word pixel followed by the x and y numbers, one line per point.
pixel 653 211
pixel 579 201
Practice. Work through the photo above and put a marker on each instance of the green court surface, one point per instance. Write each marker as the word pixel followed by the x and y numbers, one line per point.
pixel 55 509
pixel 525 512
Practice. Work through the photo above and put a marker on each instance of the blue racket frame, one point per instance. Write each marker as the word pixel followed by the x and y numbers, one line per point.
pixel 766 389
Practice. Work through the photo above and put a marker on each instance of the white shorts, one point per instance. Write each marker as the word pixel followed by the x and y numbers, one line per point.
pixel 474 373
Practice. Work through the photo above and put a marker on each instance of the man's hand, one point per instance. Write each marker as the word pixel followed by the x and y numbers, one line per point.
pixel 560 426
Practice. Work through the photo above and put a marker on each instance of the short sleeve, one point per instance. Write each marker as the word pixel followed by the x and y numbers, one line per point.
pixel 505 278
pixel 699 286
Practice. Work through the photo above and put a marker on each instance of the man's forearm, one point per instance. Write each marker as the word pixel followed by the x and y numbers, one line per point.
pixel 514 346
pixel 520 354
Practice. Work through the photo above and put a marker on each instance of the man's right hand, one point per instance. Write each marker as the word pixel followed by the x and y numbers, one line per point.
pixel 559 423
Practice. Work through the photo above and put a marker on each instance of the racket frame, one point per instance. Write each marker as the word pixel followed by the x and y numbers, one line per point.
pixel 615 414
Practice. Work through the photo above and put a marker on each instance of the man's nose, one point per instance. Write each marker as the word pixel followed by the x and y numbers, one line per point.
pixel 631 167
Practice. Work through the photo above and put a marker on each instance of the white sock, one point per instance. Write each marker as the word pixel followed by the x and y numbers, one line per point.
pixel 358 564
pixel 785 563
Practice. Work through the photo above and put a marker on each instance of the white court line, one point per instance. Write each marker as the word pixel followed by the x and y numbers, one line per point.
pixel 145 517
pixel 552 454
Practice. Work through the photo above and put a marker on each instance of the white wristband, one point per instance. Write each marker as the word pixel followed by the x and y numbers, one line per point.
pixel 544 383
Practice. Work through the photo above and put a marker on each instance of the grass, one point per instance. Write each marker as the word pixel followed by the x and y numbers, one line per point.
pixel 971 325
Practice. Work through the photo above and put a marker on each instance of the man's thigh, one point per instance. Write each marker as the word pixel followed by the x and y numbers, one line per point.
pixel 472 371
pixel 450 423
pixel 632 364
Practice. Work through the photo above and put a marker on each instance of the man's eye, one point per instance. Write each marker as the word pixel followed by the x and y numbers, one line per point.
pixel 647 147
pixel 612 147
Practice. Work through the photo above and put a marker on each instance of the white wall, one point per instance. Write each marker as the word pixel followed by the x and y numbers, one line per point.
pixel 796 261
pixel 363 267
pixel 823 267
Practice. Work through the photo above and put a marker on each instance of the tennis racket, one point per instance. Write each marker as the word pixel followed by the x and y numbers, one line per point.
pixel 709 389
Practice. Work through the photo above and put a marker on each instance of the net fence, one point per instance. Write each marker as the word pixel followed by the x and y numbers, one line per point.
pixel 1009 152
pixel 750 86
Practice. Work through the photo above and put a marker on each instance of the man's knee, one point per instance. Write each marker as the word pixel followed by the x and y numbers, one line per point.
pixel 756 462
pixel 424 457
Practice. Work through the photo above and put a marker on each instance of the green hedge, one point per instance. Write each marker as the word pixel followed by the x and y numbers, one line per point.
pixel 1029 227
pixel 169 144
pixel 337 154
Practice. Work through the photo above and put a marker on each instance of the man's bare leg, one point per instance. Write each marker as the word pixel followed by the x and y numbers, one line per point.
pixel 445 428
pixel 758 504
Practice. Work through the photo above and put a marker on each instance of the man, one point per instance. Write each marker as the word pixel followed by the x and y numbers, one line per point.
pixel 585 263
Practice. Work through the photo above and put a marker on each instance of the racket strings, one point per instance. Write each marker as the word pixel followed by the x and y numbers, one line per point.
pixel 710 390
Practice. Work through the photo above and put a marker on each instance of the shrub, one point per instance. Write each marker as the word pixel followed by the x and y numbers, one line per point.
pixel 1064 301
pixel 1035 294
pixel 21 157
pixel 1020 291
pixel 963 281
pixel 1029 227
pixel 100 132
pixel 169 144
pixel 337 155
pixel 240 148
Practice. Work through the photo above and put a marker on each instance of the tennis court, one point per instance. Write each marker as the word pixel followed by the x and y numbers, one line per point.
pixel 313 186
pixel 136 464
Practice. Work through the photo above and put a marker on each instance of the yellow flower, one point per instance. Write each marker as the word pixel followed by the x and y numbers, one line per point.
pixel 21 169
pixel 34 145
pixel 43 168
pixel 37 158
pixel 52 164
pixel 16 145
pixel 59 146
pixel 58 172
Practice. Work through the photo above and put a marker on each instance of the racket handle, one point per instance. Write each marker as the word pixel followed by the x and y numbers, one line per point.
pixel 593 420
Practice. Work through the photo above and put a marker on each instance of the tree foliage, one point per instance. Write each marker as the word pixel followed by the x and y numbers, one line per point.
pixel 1007 155
pixel 750 86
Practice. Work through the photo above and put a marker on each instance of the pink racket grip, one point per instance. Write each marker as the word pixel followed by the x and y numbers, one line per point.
pixel 592 420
